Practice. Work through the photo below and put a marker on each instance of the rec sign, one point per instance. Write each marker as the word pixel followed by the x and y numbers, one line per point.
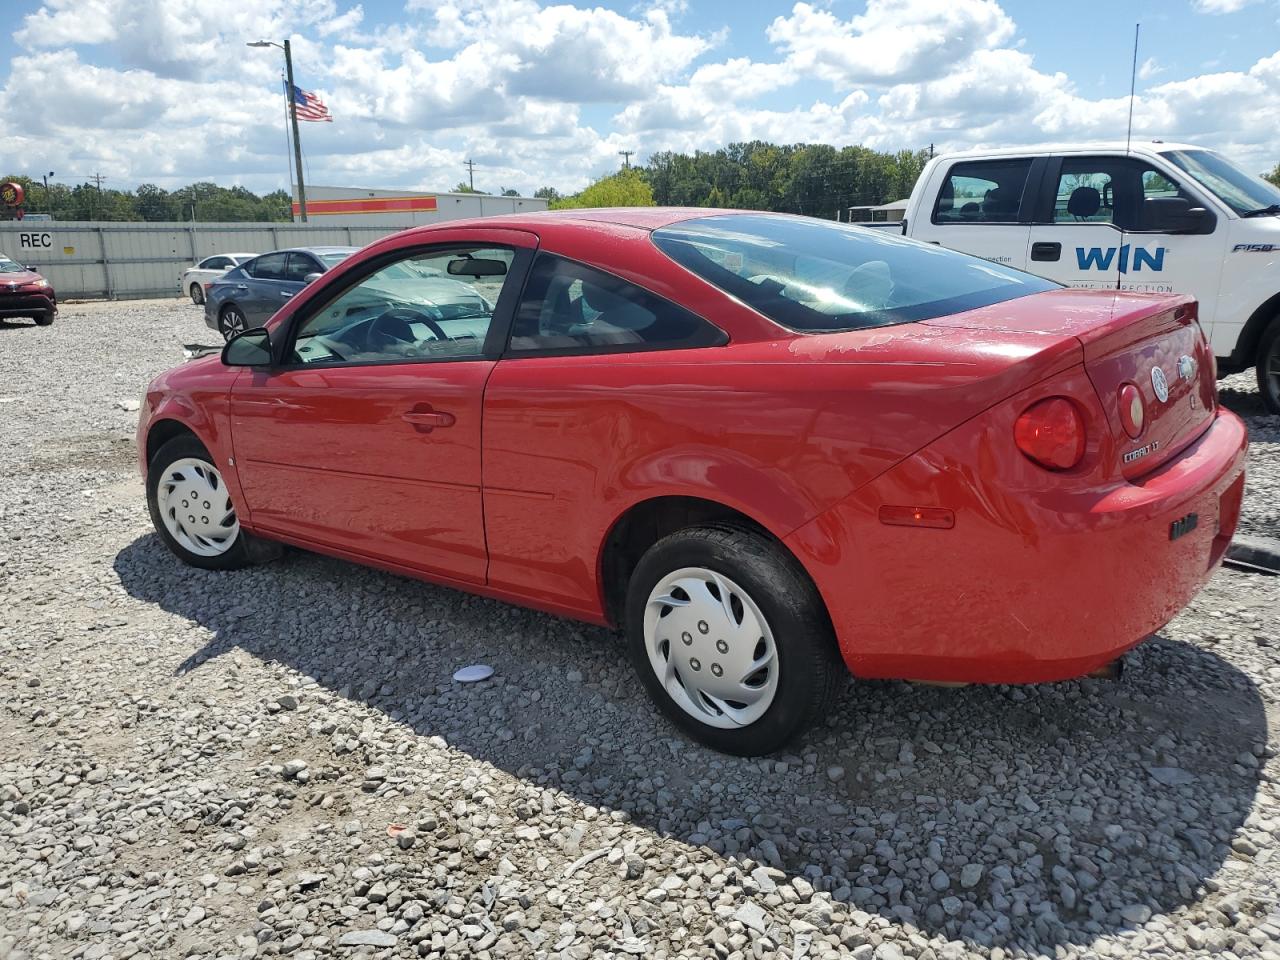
pixel 35 241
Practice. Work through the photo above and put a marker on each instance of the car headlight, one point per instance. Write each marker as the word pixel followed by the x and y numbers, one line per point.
pixel 42 282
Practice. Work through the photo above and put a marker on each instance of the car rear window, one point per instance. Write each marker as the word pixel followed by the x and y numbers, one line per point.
pixel 818 276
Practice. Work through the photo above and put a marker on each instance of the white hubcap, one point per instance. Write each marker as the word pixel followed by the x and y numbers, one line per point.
pixel 196 508
pixel 711 648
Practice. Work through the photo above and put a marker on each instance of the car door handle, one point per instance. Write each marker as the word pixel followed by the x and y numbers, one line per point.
pixel 285 293
pixel 1046 251
pixel 425 419
pixel 242 286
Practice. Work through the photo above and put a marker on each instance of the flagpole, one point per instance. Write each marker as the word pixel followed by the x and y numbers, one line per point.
pixel 288 142
pixel 297 144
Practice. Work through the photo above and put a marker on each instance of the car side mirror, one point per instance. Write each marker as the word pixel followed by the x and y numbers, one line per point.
pixel 249 348
pixel 312 277
pixel 1176 215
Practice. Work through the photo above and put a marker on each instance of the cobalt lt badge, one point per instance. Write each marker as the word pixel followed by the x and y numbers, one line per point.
pixel 1159 384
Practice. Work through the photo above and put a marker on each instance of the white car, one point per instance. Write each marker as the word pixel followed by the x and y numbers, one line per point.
pixel 1149 217
pixel 207 270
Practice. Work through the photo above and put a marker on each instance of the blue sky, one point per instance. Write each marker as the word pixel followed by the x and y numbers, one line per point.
pixel 546 94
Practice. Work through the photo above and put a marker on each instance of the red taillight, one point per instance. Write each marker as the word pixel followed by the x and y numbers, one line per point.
pixel 1051 432
pixel 1132 412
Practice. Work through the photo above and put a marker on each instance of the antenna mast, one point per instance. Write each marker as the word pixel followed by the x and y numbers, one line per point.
pixel 1133 86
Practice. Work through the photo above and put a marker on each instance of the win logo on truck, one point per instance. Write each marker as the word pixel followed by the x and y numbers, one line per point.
pixel 1098 258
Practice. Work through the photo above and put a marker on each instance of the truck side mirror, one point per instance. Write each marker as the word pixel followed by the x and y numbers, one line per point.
pixel 1176 215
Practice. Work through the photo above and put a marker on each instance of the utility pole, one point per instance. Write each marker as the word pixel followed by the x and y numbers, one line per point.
pixel 471 174
pixel 48 202
pixel 626 158
pixel 97 179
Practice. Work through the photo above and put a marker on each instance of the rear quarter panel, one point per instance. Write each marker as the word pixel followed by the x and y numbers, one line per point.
pixel 777 430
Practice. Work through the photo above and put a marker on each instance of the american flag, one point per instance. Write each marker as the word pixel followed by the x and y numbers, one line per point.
pixel 307 106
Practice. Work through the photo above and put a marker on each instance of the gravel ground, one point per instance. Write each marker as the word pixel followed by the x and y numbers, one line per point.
pixel 276 761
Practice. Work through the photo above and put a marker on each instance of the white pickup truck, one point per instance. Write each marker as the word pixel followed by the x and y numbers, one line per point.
pixel 1156 217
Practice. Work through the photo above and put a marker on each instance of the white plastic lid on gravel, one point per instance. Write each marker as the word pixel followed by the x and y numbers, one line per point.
pixel 474 673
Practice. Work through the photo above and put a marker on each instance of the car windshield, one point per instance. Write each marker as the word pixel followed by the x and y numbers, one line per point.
pixel 1241 191
pixel 816 276
pixel 8 266
pixel 332 259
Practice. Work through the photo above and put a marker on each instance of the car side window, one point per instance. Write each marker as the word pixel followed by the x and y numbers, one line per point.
pixel 983 191
pixel 215 263
pixel 269 266
pixel 570 307
pixel 300 265
pixel 1115 190
pixel 426 305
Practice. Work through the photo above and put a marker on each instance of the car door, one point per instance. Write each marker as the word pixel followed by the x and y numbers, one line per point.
pixel 366 437
pixel 259 292
pixel 1097 225
pixel 979 209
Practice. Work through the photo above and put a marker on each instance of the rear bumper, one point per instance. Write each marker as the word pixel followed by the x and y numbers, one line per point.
pixel 1031 584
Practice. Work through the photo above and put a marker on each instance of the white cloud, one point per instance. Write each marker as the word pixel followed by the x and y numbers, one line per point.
pixel 164 90
pixel 1221 6
pixel 1150 68
pixel 893 41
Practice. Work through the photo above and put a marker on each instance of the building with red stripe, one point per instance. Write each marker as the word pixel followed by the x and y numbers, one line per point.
pixel 358 206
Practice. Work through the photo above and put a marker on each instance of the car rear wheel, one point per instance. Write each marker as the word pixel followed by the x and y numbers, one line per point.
pixel 230 322
pixel 731 639
pixel 197 294
pixel 191 507
pixel 1269 367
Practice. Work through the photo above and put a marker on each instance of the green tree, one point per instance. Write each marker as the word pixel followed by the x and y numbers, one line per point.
pixel 464 187
pixel 550 194
pixel 627 188
pixel 1274 175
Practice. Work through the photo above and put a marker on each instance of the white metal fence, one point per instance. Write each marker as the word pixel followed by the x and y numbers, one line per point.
pixel 123 260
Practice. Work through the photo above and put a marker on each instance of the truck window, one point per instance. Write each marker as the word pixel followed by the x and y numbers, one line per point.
pixel 984 191
pixel 1115 190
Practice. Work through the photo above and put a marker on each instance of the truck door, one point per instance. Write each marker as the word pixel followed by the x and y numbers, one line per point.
pixel 978 209
pixel 1110 222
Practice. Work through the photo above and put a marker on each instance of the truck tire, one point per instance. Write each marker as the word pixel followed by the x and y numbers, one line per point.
pixel 1269 367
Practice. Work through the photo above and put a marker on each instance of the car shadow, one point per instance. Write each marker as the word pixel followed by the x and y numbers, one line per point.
pixel 1053 784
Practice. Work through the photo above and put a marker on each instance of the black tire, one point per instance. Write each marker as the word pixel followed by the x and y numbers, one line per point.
pixel 231 321
pixel 197 294
pixel 1269 367
pixel 44 319
pixel 810 672
pixel 239 554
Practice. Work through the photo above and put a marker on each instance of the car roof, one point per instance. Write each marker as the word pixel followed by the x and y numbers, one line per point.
pixel 621 219
pixel 316 250
pixel 1100 146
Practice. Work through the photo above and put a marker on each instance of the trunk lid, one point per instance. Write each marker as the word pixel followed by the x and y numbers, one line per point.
pixel 1153 342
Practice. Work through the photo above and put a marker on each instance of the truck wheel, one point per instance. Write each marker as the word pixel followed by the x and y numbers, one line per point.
pixel 731 640
pixel 1269 368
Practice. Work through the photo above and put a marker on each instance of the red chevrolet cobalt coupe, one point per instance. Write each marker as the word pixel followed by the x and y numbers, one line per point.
pixel 761 444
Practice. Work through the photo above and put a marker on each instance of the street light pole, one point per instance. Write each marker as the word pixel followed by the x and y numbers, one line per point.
pixel 293 118
pixel 297 144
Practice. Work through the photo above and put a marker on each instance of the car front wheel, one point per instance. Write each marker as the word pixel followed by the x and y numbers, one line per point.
pixel 230 322
pixel 1269 367
pixel 191 507
pixel 44 319
pixel 731 639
